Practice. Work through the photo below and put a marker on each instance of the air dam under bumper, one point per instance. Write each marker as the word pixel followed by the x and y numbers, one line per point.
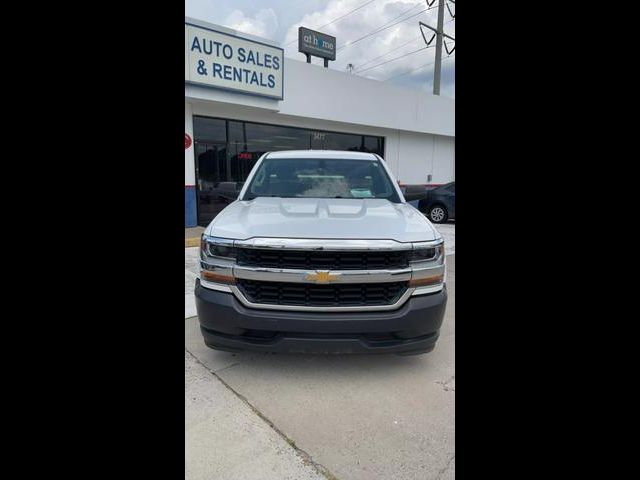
pixel 226 324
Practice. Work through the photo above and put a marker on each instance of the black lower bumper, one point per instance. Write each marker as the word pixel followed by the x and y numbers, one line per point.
pixel 226 324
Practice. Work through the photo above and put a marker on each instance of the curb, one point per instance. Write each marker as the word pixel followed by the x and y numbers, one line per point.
pixel 191 242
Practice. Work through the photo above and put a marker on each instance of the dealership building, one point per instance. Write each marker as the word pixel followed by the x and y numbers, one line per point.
pixel 244 98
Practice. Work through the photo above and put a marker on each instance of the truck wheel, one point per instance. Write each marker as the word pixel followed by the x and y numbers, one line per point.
pixel 438 214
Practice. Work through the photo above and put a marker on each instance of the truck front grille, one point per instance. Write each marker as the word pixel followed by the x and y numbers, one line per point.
pixel 318 260
pixel 311 295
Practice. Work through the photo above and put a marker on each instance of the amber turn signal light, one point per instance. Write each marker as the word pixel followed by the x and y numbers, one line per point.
pixel 425 282
pixel 218 278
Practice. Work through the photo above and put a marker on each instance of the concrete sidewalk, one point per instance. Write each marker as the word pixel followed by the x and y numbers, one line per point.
pixel 192 236
pixel 191 258
pixel 225 438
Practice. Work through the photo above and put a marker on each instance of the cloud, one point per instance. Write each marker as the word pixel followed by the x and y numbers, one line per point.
pixel 263 24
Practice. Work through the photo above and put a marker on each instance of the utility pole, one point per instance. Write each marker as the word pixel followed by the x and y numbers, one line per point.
pixel 439 36
pixel 438 66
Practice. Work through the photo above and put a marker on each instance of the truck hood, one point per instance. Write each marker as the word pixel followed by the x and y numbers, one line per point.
pixel 322 218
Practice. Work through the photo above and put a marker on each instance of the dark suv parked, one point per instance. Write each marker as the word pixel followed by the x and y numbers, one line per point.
pixel 440 203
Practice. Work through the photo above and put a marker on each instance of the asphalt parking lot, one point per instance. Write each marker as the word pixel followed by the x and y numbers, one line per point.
pixel 311 416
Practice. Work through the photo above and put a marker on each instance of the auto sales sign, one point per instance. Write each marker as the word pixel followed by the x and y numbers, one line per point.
pixel 221 60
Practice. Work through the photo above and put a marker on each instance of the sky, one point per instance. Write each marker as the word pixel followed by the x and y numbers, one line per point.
pixel 278 20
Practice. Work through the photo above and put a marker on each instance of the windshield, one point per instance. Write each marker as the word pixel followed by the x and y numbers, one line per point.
pixel 321 178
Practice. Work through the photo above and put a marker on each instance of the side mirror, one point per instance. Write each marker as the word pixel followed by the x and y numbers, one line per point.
pixel 414 192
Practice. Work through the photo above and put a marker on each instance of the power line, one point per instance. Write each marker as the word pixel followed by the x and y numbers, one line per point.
pixel 380 29
pixel 385 26
pixel 393 50
pixel 403 13
pixel 389 21
pixel 335 20
pixel 417 68
pixel 394 59
pixel 406 11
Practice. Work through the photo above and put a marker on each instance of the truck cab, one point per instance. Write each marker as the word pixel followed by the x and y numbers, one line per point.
pixel 321 253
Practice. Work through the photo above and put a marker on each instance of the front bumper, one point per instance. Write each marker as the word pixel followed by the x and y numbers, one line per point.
pixel 226 324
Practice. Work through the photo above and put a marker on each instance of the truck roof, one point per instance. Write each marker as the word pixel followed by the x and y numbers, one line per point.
pixel 341 154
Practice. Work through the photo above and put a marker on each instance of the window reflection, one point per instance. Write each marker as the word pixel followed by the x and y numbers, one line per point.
pixel 209 130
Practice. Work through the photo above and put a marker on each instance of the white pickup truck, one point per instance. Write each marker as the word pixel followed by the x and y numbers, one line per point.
pixel 321 253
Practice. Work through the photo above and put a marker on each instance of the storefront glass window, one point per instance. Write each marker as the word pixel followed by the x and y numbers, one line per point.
pixel 227 150
pixel 209 130
pixel 373 145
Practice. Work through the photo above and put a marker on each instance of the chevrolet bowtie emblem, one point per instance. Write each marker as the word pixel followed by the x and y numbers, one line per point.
pixel 322 276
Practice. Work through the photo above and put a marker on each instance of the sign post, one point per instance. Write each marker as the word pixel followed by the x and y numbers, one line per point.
pixel 316 44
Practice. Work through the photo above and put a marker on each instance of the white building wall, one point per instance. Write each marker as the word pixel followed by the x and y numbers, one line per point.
pixel 419 155
pixel 318 92
pixel 415 153
pixel 189 163
pixel 444 156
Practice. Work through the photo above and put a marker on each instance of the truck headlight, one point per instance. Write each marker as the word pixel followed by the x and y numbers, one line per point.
pixel 427 253
pixel 217 247
pixel 217 258
pixel 428 267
